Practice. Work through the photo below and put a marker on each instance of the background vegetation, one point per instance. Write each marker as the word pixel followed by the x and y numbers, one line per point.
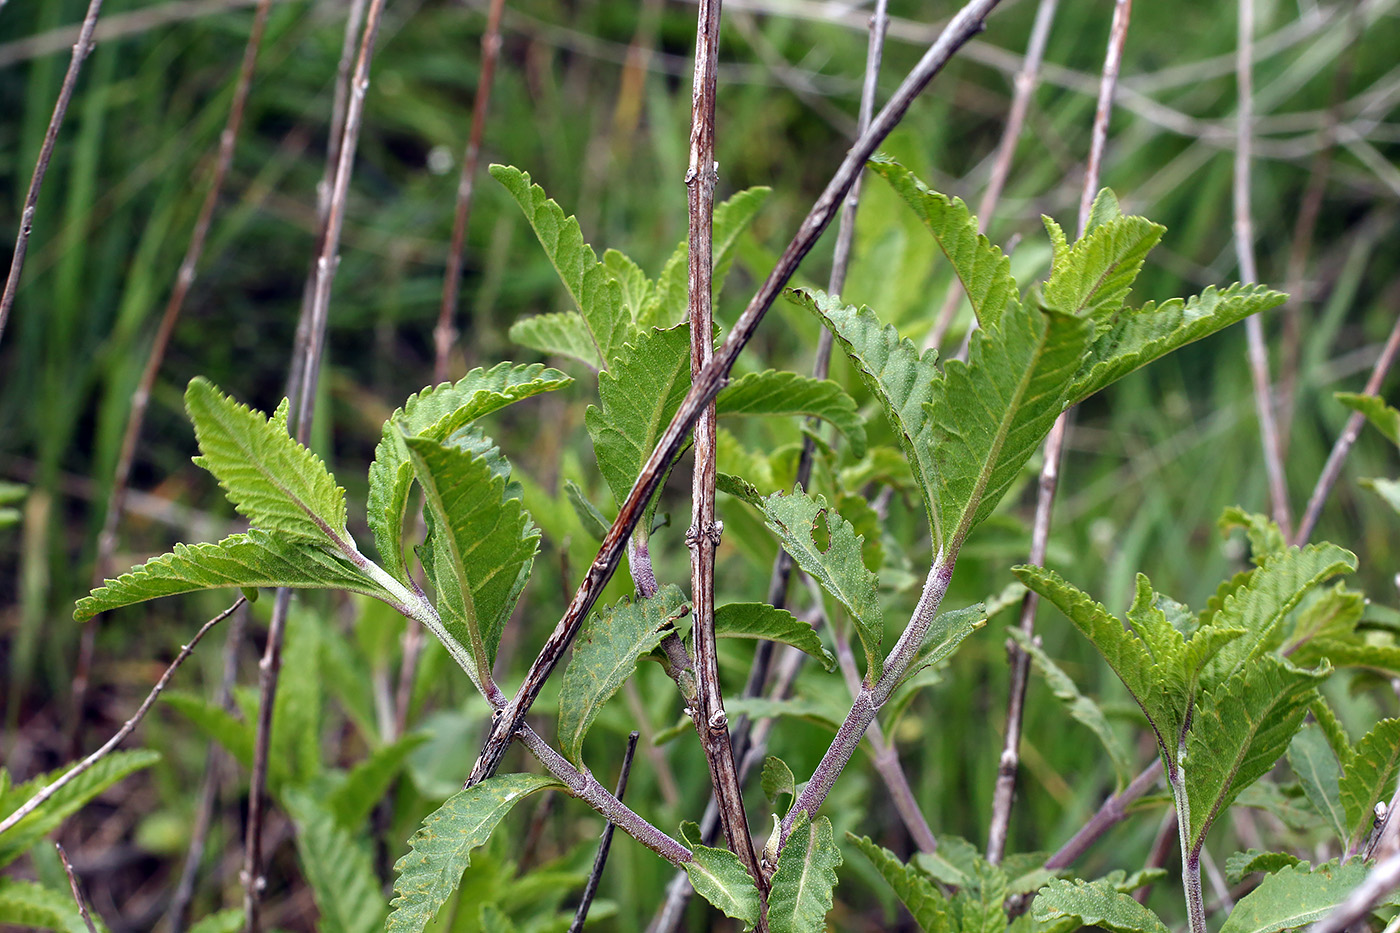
pixel 593 99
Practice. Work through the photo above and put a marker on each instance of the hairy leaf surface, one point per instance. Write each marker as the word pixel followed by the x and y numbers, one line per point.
pixel 255 559
pixel 273 481
pixel 926 904
pixel 719 877
pixel 605 655
pixel 1094 903
pixel 800 897
pixel 442 847
pixel 1294 897
pixel 561 333
pixel 1252 860
pixel 838 568
pixel 1370 775
pixel 760 620
pixel 1093 277
pixel 774 392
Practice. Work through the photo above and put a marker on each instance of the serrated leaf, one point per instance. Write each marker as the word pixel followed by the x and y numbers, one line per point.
pixel 1136 337
pixel 296 716
pixel 352 802
pixel 273 481
pixel 1318 771
pixel 437 413
pixel 838 568
pixel 1370 775
pixel 441 849
pixel 1093 277
pixel 1240 730
pixel 1260 605
pixel 1332 616
pixel 66 801
pixel 1252 860
pixel 605 655
pixel 27 904
pixel 479 544
pixel 1294 896
pixel 636 288
pixel 777 780
pixel 233 734
pixel 589 517
pixel 561 333
pixel 954 862
pixel 760 620
pixel 1094 903
pixel 800 896
pixel 243 560
pixel 925 903
pixel 1080 707
pixel 775 392
pixel 337 867
pixel 593 289
pixel 1265 537
pixel 1333 729
pixel 894 371
pixel 982 902
pixel 719 877
pixel 1385 418
pixel 640 392
pixel 985 273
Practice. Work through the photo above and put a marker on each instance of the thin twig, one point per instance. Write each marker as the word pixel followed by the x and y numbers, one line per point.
pixel 707 385
pixel 1244 249
pixel 1332 469
pixel 1026 80
pixel 1004 794
pixel 33 803
pixel 604 844
pixel 269 667
pixel 140 398
pixel 445 334
pixel 73 883
pixel 81 48
pixel 1383 879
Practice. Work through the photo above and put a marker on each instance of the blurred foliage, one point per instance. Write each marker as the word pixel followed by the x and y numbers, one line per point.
pixel 593 99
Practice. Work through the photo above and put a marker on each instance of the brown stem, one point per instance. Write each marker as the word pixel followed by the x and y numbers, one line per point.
pixel 445 333
pixel 81 48
pixel 1244 248
pixel 1332 469
pixel 1004 794
pixel 33 803
pixel 604 844
pixel 184 279
pixel 707 385
pixel 1026 80
pixel 73 884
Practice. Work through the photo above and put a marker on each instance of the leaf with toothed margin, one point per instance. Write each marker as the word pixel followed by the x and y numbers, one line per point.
pixel 774 392
pixel 29 904
pixel 838 567
pixel 636 288
pixel 985 273
pixel 918 893
pixel 255 559
pixel 800 896
pixel 760 620
pixel 719 877
pixel 1369 777
pixel 478 547
pixel 274 482
pixel 1094 903
pixel 1093 277
pixel 1385 418
pixel 441 849
pixel 337 867
pixel 595 292
pixel 605 655
pixel 1296 895
pixel 560 333
pixel 437 413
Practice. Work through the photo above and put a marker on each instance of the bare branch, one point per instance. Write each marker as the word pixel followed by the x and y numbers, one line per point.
pixel 73 883
pixel 604 844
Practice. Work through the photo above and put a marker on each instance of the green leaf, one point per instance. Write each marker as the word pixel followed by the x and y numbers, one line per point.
pixel 1331 617
pixel 442 847
pixel 437 413
pixel 777 780
pixel 800 896
pixel 895 372
pixel 225 921
pixel 982 902
pixel 243 560
pixel 26 904
pixel 1385 418
pixel 1370 776
pixel 1092 278
pixel 1387 489
pixel 640 392
pixel 479 546
pixel 760 620
pixel 775 392
pixel 1080 707
pixel 1136 337
pixel 636 288
pixel 1252 860
pixel 66 801
pixel 1335 732
pixel 605 655
pixel 1265 538
pixel 562 333
pixel 945 634
pixel 926 904
pixel 1094 903
pixel 337 867
pixel 1240 730
pixel 1318 771
pixel 838 567
pixel 593 289
pixel 592 520
pixel 355 799
pixel 719 877
pixel 273 481
pixel 232 733
pixel 1294 896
